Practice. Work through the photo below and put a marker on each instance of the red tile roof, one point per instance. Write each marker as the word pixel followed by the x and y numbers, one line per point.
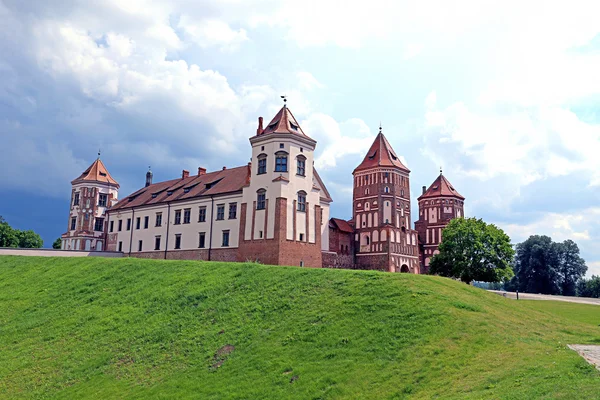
pixel 342 225
pixel 283 122
pixel 96 172
pixel 213 183
pixel 441 187
pixel 381 154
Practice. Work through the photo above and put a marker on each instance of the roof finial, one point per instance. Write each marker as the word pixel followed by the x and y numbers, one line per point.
pixel 284 97
pixel 380 127
pixel 98 154
pixel 440 170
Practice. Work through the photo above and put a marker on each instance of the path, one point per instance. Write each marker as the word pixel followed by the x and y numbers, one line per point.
pixel 531 296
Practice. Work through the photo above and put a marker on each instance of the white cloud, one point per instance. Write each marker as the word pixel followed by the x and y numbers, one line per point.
pixel 212 32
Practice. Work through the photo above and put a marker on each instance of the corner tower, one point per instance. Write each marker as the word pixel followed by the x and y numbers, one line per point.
pixel 92 193
pixel 438 204
pixel 383 238
pixel 285 206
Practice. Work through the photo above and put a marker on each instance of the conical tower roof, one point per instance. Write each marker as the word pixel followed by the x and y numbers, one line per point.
pixel 381 154
pixel 283 122
pixel 441 187
pixel 96 172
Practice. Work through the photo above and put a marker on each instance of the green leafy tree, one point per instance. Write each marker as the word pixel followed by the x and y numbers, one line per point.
pixel 8 236
pixel 589 287
pixel 29 240
pixel 473 250
pixel 57 244
pixel 543 266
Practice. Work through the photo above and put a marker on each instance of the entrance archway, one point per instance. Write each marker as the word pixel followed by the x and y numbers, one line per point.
pixel 404 268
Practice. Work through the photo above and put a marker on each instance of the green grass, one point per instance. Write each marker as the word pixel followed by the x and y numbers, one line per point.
pixel 586 313
pixel 108 328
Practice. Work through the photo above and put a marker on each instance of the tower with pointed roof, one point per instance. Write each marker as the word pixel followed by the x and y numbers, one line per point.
pixel 285 207
pixel 92 193
pixel 383 236
pixel 438 205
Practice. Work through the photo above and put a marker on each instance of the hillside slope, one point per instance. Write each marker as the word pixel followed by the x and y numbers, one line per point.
pixel 129 328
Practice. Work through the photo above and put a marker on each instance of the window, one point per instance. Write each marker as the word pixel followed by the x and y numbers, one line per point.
pixel 157 243
pixel 154 195
pixel 128 224
pixel 138 223
pixel 302 201
pixel 294 127
pixel 261 199
pixel 73 223
pixel 281 146
pixel 146 222
pixel 220 212
pixel 169 192
pixel 112 226
pixel 366 191
pixel 120 246
pixel 260 234
pixel 301 166
pixel 302 237
pixel 262 148
pixel 201 240
pixel 281 162
pixel 387 189
pixel 120 228
pixel 187 214
pixel 76 199
pixel 158 219
pixel 99 225
pixel 178 241
pixel 177 217
pixel 262 164
pixel 140 245
pixel 202 214
pixel 387 174
pixel 102 199
pixel 225 238
pixel 232 210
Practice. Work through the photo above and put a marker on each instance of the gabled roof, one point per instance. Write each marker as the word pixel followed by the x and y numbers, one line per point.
pixel 381 154
pixel 283 122
pixel 96 172
pixel 441 187
pixel 342 225
pixel 213 183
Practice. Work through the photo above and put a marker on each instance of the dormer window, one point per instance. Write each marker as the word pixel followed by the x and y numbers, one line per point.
pixel 281 162
pixel 294 127
pixel 273 126
pixel 170 192
pixel 186 190
pixel 372 156
pixel 154 195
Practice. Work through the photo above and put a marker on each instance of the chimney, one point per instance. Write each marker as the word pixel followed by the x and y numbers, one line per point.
pixel 224 168
pixel 424 189
pixel 201 171
pixel 260 126
pixel 185 174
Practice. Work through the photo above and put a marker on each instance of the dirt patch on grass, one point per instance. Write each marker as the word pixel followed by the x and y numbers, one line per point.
pixel 590 353
pixel 221 356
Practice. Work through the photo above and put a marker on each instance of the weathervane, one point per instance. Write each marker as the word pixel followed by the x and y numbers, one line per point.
pixel 440 170
pixel 284 97
pixel 98 154
pixel 380 127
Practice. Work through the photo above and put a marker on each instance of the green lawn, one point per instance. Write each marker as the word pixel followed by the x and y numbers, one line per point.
pixel 586 313
pixel 127 328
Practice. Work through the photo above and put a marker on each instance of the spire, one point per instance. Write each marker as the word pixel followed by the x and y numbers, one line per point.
pixel 441 187
pixel 149 177
pixel 381 154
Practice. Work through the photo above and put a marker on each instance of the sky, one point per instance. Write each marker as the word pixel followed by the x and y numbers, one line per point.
pixel 503 95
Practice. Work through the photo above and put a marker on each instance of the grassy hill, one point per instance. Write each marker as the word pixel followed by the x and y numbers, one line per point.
pixel 107 328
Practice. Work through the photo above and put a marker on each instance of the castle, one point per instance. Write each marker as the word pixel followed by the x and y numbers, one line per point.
pixel 274 210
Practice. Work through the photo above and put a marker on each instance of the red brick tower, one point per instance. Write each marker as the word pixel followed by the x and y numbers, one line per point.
pixel 437 206
pixel 383 236
pixel 93 192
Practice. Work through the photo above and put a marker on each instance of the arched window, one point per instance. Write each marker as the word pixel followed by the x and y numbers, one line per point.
pixel 367 240
pixel 367 206
pixel 366 191
pixel 281 161
pixel 261 199
pixel 301 165
pixel 387 189
pixel 262 164
pixel 302 201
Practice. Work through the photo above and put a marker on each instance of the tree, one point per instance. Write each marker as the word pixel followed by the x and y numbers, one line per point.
pixel 57 244
pixel 543 266
pixel 571 267
pixel 29 240
pixel 8 236
pixel 589 287
pixel 473 250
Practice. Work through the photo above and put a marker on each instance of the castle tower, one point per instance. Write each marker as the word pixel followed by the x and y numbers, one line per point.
pixel 437 206
pixel 285 206
pixel 383 238
pixel 92 193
